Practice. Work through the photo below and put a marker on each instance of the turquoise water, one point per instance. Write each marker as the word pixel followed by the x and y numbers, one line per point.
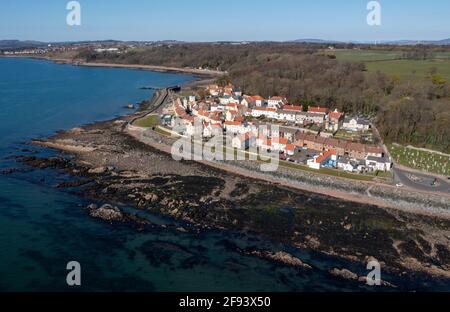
pixel 43 228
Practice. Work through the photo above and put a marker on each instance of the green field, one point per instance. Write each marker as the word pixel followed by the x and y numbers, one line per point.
pixel 411 69
pixel 430 162
pixel 389 62
pixel 147 122
pixel 366 55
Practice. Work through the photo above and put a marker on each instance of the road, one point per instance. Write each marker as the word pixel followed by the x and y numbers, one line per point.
pixel 421 181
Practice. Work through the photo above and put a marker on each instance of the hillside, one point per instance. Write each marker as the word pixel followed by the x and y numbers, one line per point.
pixel 407 111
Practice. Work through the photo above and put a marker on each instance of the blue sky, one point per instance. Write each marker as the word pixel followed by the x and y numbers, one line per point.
pixel 211 20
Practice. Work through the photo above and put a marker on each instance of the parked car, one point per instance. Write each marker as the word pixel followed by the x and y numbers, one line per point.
pixel 399 185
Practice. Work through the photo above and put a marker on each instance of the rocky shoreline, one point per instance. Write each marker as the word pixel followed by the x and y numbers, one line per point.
pixel 109 165
pixel 382 195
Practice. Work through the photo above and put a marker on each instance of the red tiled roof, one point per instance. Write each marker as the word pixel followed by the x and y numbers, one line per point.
pixel 335 115
pixel 317 109
pixel 257 98
pixel 356 147
pixel 293 108
pixel 232 123
pixel 301 136
pixel 264 109
pixel 341 144
pixel 201 112
pixel 216 118
pixel 331 142
pixel 375 149
pixel 290 147
pixel 282 141
pixel 324 156
pixel 276 98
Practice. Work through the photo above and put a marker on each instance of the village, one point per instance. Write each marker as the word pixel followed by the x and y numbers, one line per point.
pixel 312 136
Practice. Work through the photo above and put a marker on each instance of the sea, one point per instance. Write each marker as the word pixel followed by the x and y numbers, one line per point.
pixel 43 228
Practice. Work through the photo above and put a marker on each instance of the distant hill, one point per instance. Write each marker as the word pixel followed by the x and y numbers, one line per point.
pixel 392 42
pixel 416 42
pixel 17 44
pixel 444 42
pixel 315 41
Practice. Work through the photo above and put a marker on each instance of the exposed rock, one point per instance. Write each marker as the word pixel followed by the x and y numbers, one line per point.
pixel 348 275
pixel 281 257
pixel 113 214
pixel 92 207
pixel 151 198
pixel 106 212
pixel 173 212
pixel 98 170
pixel 77 130
pixel 345 274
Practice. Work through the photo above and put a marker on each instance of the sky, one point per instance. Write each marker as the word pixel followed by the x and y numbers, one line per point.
pixel 231 20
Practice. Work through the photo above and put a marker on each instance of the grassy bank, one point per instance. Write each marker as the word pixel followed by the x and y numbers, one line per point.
pixel 390 63
pixel 422 160
pixel 147 122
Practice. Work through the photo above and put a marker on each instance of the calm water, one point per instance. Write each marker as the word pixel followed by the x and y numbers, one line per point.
pixel 42 228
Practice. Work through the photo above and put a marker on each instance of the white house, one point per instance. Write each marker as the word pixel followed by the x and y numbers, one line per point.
pixel 320 160
pixel 356 124
pixel 346 164
pixel 284 115
pixel 279 144
pixel 244 141
pixel 303 117
pixel 378 163
pixel 207 130
pixel 190 129
pixel 290 149
pixel 375 151
pixel 225 100
pixel 217 108
pixel 315 118
pixel 276 102
pixel 351 165
pixel 258 100
pixel 247 101
pixel 231 115
pixel 267 112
